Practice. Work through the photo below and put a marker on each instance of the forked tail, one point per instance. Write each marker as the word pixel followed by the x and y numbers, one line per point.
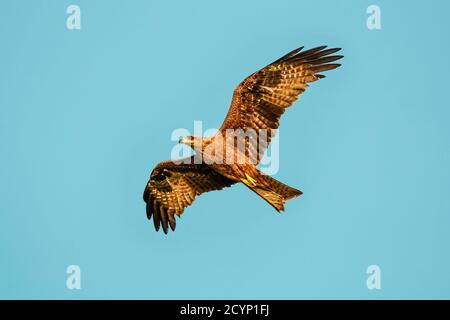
pixel 273 191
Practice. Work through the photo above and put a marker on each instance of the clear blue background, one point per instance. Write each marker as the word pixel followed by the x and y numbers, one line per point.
pixel 85 115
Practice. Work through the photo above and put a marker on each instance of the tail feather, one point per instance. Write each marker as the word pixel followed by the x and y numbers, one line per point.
pixel 280 188
pixel 274 199
pixel 275 192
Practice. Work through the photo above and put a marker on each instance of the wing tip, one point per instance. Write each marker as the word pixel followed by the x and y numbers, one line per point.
pixel 334 65
pixel 161 218
pixel 148 210
pixel 310 54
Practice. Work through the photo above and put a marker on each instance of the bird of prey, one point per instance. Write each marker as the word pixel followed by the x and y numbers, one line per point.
pixel 257 104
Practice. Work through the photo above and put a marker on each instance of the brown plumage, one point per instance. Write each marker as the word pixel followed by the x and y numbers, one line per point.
pixel 257 104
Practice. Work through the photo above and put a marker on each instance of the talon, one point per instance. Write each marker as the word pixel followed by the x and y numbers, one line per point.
pixel 249 181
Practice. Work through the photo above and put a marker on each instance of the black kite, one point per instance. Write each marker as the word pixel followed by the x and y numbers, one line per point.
pixel 258 103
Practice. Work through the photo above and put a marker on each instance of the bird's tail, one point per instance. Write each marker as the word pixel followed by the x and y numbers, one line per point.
pixel 273 191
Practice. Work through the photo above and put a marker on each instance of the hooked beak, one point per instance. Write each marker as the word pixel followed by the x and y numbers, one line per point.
pixel 182 140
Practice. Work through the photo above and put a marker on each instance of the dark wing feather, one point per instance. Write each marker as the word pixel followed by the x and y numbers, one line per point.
pixel 174 186
pixel 260 100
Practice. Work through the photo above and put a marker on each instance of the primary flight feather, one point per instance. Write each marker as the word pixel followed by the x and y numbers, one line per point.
pixel 256 107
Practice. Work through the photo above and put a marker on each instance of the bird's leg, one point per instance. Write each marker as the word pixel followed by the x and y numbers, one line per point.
pixel 249 181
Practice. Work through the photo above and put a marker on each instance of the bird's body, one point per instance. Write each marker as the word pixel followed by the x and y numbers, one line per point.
pixel 232 155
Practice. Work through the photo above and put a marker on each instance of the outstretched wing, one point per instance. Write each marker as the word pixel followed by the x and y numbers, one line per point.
pixel 174 186
pixel 260 100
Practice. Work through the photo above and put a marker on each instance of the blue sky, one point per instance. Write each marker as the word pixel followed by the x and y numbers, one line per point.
pixel 86 114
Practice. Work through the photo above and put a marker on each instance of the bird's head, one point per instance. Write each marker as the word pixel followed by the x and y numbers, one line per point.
pixel 192 141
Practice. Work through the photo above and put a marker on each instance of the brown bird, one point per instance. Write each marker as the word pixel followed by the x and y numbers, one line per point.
pixel 221 161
